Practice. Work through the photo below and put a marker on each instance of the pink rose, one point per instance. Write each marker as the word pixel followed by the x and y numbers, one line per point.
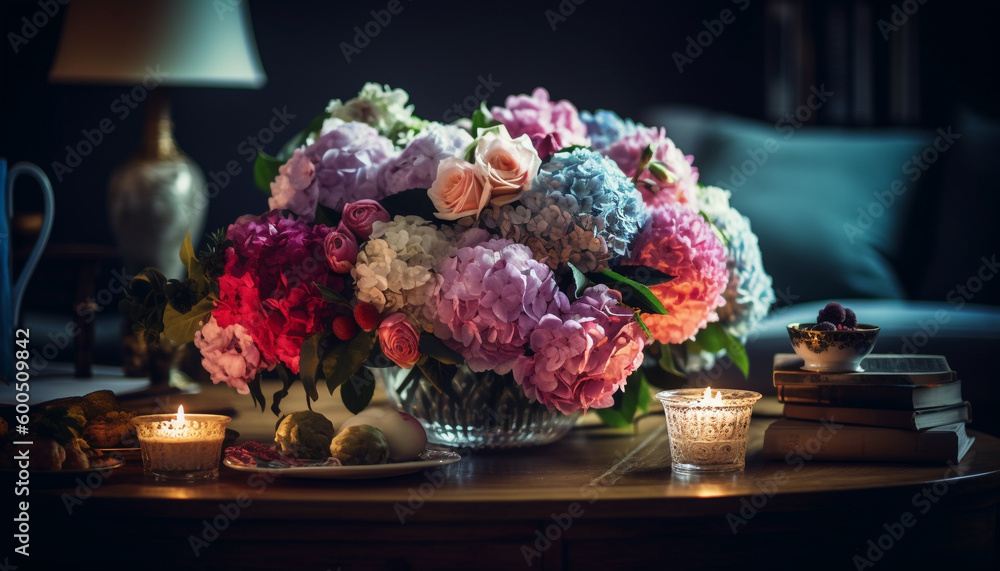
pixel 457 191
pixel 341 249
pixel 360 215
pixel 399 340
pixel 507 165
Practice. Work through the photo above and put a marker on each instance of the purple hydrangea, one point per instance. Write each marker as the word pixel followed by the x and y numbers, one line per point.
pixel 417 165
pixel 488 299
pixel 347 159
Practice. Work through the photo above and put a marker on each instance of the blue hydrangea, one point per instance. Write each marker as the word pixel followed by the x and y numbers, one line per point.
pixel 580 209
pixel 605 127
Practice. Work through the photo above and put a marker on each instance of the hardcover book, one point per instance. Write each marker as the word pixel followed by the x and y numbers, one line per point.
pixel 905 419
pixel 787 439
pixel 897 397
pixel 879 369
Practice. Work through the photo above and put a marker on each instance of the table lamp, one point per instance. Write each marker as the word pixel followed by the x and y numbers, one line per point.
pixel 157 196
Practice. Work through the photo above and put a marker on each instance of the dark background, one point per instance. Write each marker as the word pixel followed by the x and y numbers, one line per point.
pixel 605 54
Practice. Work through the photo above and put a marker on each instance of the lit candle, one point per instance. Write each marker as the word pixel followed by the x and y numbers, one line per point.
pixel 181 446
pixel 708 432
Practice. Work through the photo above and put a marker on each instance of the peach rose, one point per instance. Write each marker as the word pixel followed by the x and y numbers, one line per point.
pixel 457 191
pixel 507 165
pixel 399 340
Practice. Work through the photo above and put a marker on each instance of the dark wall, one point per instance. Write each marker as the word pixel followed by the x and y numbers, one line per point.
pixel 601 53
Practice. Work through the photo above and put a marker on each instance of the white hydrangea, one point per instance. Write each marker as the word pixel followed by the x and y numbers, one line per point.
pixel 749 294
pixel 383 108
pixel 394 270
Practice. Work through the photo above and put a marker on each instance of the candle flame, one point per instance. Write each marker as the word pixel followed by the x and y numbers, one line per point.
pixel 707 396
pixel 180 413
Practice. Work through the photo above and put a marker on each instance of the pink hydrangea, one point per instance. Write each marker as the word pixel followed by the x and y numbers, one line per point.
pixel 229 354
pixel 488 299
pixel 293 188
pixel 678 242
pixel 550 126
pixel 580 360
pixel 681 182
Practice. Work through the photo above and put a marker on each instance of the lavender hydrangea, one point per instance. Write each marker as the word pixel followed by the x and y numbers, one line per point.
pixel 749 294
pixel 417 165
pixel 347 160
pixel 581 209
pixel 605 127
pixel 488 300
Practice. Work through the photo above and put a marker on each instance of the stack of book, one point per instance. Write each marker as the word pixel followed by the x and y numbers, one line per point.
pixel 902 408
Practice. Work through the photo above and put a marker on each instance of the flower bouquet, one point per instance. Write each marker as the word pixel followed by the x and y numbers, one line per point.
pixel 560 248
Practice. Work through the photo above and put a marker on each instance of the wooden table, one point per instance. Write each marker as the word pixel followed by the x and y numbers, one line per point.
pixel 591 501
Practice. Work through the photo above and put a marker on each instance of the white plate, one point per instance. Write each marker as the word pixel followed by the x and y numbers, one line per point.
pixel 428 459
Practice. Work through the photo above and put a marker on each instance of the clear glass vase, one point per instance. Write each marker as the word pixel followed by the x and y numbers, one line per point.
pixel 474 410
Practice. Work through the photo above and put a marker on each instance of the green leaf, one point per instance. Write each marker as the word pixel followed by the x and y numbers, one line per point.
pixel 642 324
pixel 438 374
pixel 622 412
pixel 344 359
pixel 634 293
pixel 410 202
pixel 358 391
pixel 256 393
pixel 644 275
pixel 265 170
pixel 666 362
pixel 331 296
pixel 482 119
pixel 433 347
pixel 715 338
pixel 309 362
pixel 580 281
pixel 190 260
pixel 265 167
pixel 572 148
pixel 287 381
pixel 645 395
pixel 181 327
pixel 715 229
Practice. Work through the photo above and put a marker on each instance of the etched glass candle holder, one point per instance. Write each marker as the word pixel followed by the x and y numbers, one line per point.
pixel 708 432
pixel 181 446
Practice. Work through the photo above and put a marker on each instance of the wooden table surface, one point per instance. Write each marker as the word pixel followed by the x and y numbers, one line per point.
pixel 593 500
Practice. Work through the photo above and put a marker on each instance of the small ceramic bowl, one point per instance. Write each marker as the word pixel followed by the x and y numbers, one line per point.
pixel 832 351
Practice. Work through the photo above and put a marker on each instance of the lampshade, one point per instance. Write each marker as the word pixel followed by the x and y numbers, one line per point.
pixel 185 42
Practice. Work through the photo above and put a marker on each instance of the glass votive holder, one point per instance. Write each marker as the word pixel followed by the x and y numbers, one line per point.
pixel 185 447
pixel 708 433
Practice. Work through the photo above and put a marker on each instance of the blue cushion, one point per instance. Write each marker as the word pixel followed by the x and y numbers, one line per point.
pixel 802 190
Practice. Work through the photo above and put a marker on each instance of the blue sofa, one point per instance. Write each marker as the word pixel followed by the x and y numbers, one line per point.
pixel 900 225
